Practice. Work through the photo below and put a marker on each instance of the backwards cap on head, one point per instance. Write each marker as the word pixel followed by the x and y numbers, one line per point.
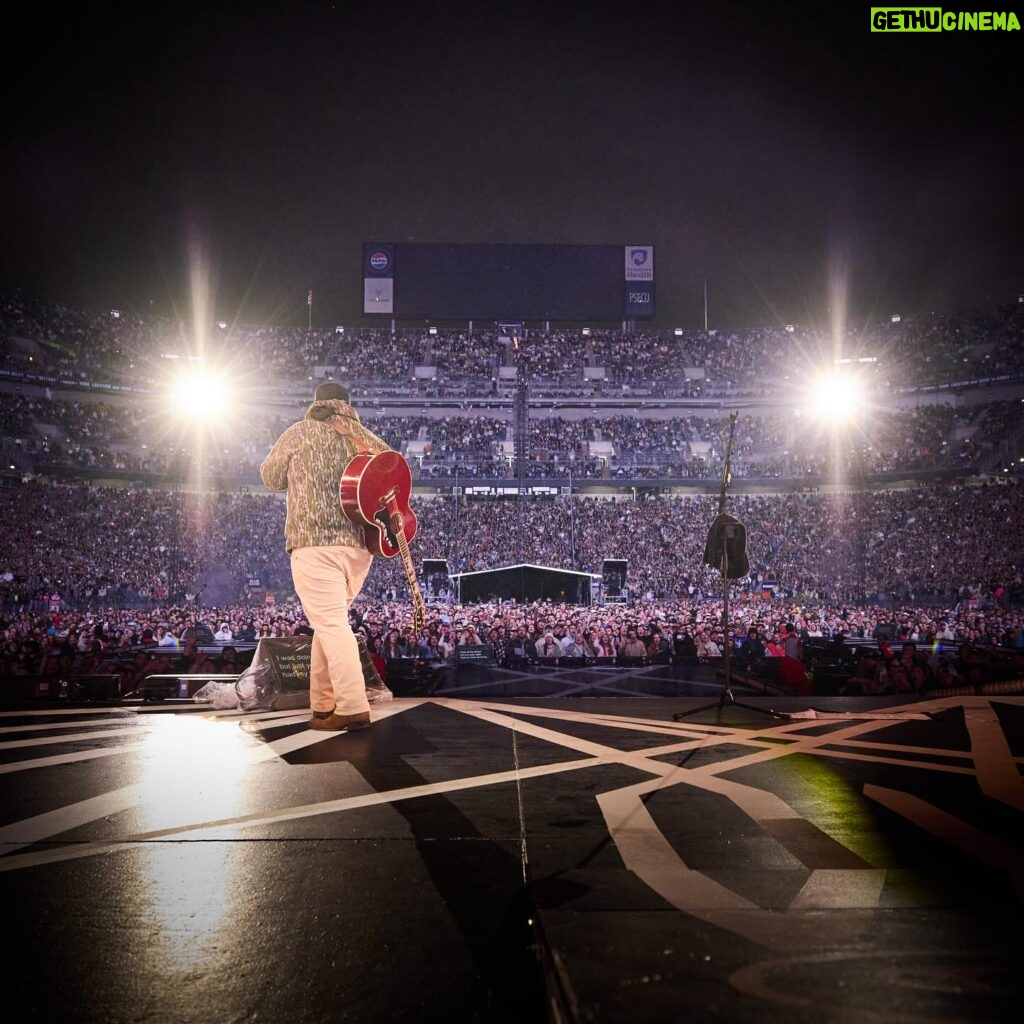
pixel 328 390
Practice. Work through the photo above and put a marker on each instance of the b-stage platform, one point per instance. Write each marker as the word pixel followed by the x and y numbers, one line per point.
pixel 588 859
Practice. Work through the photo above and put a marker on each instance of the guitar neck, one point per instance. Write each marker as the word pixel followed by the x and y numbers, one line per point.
pixel 390 510
pixel 419 608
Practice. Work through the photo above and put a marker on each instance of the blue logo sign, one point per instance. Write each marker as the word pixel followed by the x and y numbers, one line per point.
pixel 638 256
pixel 379 260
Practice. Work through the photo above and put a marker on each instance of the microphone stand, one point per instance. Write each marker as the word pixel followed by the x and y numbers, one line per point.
pixel 727 699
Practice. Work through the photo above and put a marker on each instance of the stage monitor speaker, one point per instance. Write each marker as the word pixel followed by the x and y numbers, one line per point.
pixel 105 687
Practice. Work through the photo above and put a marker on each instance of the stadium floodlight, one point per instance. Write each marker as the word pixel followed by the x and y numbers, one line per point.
pixel 197 394
pixel 339 329
pixel 790 328
pixel 678 332
pixel 222 324
pixel 433 330
pixel 837 397
pixel 895 318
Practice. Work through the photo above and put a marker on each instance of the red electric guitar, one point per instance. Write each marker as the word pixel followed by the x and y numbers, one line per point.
pixel 374 493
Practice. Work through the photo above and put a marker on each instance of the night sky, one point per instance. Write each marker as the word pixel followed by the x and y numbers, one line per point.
pixel 783 152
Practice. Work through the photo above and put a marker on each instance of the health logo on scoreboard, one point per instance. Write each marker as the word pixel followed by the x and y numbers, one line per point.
pixel 639 262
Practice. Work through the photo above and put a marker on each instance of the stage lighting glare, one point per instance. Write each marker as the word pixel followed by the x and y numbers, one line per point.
pixel 837 398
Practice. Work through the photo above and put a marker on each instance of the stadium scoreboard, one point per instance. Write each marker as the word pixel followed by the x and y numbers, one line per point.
pixel 528 282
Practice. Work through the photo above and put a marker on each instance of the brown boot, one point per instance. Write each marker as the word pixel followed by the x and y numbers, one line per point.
pixel 334 722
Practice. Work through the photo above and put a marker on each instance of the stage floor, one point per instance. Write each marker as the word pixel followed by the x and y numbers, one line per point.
pixel 588 859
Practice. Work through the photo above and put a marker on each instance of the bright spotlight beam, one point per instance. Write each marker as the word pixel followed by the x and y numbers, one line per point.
pixel 836 397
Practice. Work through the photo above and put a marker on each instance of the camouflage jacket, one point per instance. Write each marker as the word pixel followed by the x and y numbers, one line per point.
pixel 307 461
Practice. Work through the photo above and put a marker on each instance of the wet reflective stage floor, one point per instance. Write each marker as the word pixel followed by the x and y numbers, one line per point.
pixel 587 859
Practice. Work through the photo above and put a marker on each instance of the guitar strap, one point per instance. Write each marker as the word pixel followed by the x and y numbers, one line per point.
pixel 341 425
pixel 345 427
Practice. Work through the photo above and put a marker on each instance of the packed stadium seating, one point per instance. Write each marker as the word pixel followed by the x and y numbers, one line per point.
pixel 108 504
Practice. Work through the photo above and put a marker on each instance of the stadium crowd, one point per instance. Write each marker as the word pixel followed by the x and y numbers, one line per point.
pixel 147 574
pixel 913 648
pixel 56 435
pixel 120 346
pixel 93 543
pixel 100 580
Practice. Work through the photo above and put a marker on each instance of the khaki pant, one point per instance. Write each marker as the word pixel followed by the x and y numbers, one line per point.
pixel 327 580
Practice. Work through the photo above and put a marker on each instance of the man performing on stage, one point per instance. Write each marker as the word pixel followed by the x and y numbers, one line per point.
pixel 329 560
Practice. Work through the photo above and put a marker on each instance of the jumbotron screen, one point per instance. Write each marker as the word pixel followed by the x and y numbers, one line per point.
pixel 515 282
